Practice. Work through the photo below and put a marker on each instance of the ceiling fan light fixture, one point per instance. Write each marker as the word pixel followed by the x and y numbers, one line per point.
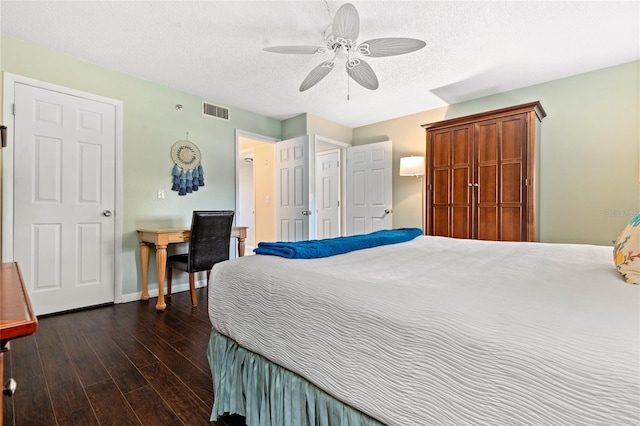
pixel 342 52
pixel 340 38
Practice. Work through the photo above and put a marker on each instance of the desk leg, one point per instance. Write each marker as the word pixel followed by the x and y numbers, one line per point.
pixel 240 246
pixel 161 264
pixel 144 262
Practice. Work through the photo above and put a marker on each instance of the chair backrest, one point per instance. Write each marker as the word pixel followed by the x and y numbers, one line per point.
pixel 210 238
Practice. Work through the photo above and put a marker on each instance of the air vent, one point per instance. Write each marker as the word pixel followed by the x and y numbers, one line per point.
pixel 215 111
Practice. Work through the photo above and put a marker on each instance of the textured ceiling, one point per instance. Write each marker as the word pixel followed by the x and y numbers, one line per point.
pixel 214 48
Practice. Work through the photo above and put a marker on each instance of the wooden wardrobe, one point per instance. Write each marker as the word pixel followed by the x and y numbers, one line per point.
pixel 481 178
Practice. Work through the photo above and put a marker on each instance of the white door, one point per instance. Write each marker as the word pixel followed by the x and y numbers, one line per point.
pixel 64 196
pixel 292 189
pixel 328 194
pixel 368 188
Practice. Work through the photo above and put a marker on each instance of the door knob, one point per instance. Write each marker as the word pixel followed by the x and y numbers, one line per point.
pixel 306 212
pixel 387 211
pixel 10 387
pixel 106 213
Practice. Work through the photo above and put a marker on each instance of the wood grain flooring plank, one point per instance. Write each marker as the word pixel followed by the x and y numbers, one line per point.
pixel 193 328
pixel 107 354
pixel 110 406
pixel 139 355
pixel 27 364
pixel 124 373
pixel 86 363
pixel 187 406
pixel 151 408
pixel 196 352
pixel 47 336
pixel 198 379
pixel 198 376
pixel 57 366
pixel 170 329
pixel 32 402
pixel 117 330
pixel 71 405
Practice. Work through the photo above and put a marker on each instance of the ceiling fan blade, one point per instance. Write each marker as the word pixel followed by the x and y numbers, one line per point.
pixel 346 23
pixel 316 74
pixel 380 47
pixel 362 73
pixel 294 50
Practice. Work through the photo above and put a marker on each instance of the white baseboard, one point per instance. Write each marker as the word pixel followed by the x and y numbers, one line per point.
pixel 175 288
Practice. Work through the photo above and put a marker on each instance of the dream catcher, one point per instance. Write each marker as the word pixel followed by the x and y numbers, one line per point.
pixel 187 170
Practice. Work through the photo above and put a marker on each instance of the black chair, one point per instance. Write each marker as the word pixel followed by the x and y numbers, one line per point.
pixel 208 245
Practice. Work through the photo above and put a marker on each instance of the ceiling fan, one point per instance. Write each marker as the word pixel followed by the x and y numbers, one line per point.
pixel 340 38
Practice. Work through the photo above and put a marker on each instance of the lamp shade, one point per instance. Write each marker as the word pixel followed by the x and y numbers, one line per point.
pixel 412 166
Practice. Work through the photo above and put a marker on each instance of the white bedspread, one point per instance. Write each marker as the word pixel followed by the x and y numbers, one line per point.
pixel 439 331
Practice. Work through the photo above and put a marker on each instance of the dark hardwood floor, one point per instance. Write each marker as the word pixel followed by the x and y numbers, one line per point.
pixel 124 364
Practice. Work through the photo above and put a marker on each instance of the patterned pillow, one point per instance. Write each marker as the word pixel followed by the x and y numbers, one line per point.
pixel 626 251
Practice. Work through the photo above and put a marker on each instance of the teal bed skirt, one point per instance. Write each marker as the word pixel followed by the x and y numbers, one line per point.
pixel 266 394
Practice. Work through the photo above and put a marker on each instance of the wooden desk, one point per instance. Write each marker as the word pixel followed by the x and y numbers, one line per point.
pixel 16 315
pixel 163 237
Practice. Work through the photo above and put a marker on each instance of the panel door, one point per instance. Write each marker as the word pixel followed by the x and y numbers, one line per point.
pixel 487 171
pixel 64 191
pixel 369 202
pixel 513 190
pixel 500 151
pixel 328 194
pixel 292 192
pixel 452 180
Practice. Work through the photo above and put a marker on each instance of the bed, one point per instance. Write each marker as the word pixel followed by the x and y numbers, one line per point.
pixel 434 331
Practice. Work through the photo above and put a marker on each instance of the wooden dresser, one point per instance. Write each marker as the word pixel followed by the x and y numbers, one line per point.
pixel 16 315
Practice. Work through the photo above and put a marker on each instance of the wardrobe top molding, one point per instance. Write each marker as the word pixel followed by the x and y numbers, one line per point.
pixel 516 109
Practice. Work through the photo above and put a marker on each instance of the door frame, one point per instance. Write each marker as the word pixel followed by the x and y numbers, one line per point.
pixel 250 135
pixel 250 243
pixel 10 80
pixel 314 140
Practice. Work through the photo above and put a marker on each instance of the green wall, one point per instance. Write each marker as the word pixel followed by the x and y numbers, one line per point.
pixel 294 127
pixel 589 178
pixel 151 125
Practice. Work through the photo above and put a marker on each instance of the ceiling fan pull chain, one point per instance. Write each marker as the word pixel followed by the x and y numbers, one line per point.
pixel 348 85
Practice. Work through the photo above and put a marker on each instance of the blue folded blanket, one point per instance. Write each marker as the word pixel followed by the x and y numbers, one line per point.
pixel 332 246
